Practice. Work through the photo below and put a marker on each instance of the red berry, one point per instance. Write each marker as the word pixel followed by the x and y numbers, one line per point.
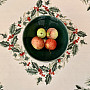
pixel 65 24
pixel 59 60
pixel 28 18
pixel 74 32
pixel 19 25
pixel 43 6
pixel 53 73
pixel 74 42
pixel 37 9
pixel 50 70
pixel 9 48
pixel 34 7
pixel 76 29
pixel 47 9
pixel 12 35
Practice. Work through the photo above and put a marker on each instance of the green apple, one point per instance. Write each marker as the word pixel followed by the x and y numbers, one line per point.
pixel 41 32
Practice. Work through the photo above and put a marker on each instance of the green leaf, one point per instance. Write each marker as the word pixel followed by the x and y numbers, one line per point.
pixel 24 63
pixel 72 37
pixel 70 23
pixel 59 67
pixel 71 28
pixel 15 49
pixel 14 40
pixel 34 65
pixel 26 58
pixel 12 28
pixel 54 9
pixel 68 56
pixel 47 2
pixel 48 78
pixel 39 3
pixel 78 87
pixel 88 8
pixel 81 34
pixel 39 80
pixel 4 43
pixel 70 46
pixel 42 11
pixel 20 21
pixel 32 71
pixel 44 68
pixel 74 49
pixel 51 13
pixel 33 12
pixel 1 87
pixel 54 67
pixel 28 12
pixel 14 54
pixel 4 35
pixel 17 31
pixel 24 23
pixel 82 42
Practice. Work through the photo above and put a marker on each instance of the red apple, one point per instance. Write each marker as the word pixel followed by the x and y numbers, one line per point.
pixel 50 44
pixel 52 33
pixel 37 43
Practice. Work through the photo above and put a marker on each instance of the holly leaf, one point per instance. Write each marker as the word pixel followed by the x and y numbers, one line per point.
pixel 34 65
pixel 74 49
pixel 24 23
pixel 70 23
pixel 26 58
pixel 68 56
pixel 1 87
pixel 70 46
pixel 42 11
pixel 33 12
pixel 82 42
pixel 78 87
pixel 24 63
pixel 15 55
pixel 47 2
pixel 14 40
pixel 59 67
pixel 54 67
pixel 88 8
pixel 15 49
pixel 71 28
pixel 12 28
pixel 39 80
pixel 54 9
pixel 4 35
pixel 48 78
pixel 4 43
pixel 17 31
pixel 32 71
pixel 44 68
pixel 39 3
pixel 51 13
pixel 28 12
pixel 72 37
pixel 81 34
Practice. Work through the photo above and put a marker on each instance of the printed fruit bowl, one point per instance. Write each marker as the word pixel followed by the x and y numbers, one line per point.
pixel 45 22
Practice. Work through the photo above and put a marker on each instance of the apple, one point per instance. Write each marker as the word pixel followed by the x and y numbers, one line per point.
pixel 41 32
pixel 37 42
pixel 52 33
pixel 50 44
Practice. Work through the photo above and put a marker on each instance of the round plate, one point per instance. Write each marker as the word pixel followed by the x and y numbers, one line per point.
pixel 45 22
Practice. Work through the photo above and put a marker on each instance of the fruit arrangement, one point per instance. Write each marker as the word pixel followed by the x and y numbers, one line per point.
pixel 39 41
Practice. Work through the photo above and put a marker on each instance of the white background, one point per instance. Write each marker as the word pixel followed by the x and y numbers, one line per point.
pixel 12 74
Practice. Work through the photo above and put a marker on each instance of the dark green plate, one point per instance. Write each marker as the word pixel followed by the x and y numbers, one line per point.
pixel 45 22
